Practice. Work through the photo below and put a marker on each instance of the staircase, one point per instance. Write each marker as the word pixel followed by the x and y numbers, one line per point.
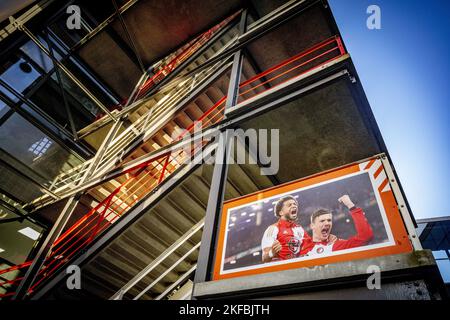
pixel 148 240
pixel 159 121
pixel 148 111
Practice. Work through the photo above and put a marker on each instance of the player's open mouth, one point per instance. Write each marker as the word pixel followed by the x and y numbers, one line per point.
pixel 325 231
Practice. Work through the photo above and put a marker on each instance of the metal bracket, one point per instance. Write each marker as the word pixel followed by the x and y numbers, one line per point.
pixel 351 77
pixel 406 215
pixel 16 23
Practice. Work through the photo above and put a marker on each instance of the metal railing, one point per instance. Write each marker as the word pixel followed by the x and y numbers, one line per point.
pixel 119 144
pixel 160 259
pixel 179 88
pixel 140 180
pixel 303 62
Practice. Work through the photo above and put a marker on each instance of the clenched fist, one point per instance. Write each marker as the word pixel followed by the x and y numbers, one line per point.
pixel 276 247
pixel 345 199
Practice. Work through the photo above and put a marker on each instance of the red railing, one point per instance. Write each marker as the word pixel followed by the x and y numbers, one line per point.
pixel 308 60
pixel 140 182
pixel 142 179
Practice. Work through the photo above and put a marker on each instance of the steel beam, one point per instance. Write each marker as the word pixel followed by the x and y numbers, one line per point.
pixel 101 151
pixel 88 71
pixel 176 283
pixel 17 210
pixel 61 87
pixel 28 15
pixel 219 178
pixel 151 285
pixel 104 24
pixel 63 68
pixel 128 35
pixel 406 215
pixel 214 207
pixel 45 248
pixel 152 265
pixel 55 131
pixel 43 188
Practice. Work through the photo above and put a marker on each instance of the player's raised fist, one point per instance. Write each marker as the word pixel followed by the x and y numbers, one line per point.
pixel 276 247
pixel 346 201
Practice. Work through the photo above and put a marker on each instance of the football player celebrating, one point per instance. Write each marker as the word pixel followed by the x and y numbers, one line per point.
pixel 321 225
pixel 283 239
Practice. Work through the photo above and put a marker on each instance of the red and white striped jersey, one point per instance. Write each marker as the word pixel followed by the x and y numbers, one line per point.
pixel 289 234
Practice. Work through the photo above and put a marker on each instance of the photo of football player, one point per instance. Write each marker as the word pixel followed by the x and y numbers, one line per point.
pixel 303 223
pixel 283 239
pixel 321 224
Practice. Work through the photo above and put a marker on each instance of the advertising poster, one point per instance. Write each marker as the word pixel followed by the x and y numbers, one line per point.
pixel 346 214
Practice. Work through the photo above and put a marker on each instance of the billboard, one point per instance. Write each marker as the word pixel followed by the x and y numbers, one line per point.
pixel 345 214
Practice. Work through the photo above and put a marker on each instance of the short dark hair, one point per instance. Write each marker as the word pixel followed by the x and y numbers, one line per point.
pixel 279 204
pixel 318 213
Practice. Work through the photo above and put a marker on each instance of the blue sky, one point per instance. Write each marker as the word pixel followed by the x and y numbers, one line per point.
pixel 405 71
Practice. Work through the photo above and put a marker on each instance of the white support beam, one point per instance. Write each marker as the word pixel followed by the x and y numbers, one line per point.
pixel 158 260
pixel 175 284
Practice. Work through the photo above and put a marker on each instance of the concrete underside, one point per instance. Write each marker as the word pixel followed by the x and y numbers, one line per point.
pixel 158 28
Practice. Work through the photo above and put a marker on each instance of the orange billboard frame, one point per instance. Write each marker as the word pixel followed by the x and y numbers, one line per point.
pixel 374 167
